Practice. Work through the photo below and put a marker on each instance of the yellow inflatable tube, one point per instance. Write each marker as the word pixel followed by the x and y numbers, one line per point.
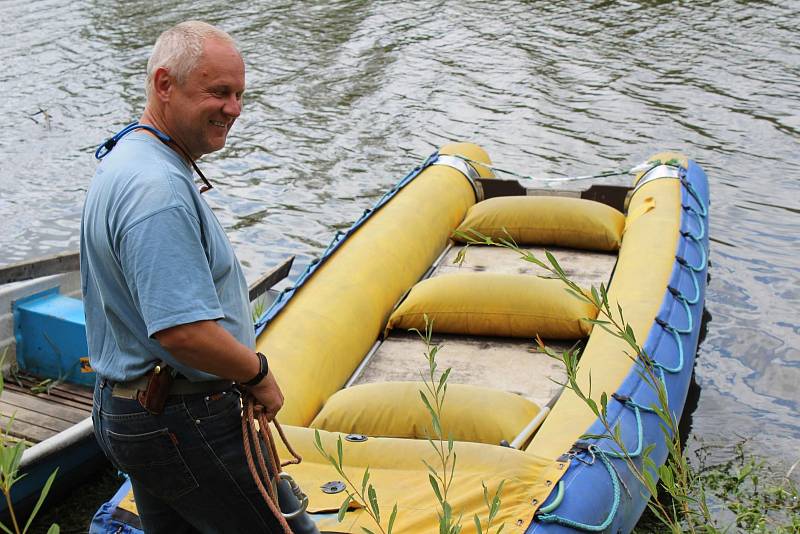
pixel 643 270
pixel 317 341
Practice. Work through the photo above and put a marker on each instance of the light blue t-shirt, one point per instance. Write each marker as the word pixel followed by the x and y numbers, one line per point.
pixel 153 256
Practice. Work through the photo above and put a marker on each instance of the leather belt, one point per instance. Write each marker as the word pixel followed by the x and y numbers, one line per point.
pixel 181 386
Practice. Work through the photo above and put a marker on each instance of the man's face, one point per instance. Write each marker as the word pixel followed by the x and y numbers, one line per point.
pixel 203 109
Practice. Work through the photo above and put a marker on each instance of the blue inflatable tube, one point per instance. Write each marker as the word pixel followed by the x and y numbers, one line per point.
pixel 599 493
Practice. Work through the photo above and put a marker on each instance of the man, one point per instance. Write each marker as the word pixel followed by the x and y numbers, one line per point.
pixel 165 295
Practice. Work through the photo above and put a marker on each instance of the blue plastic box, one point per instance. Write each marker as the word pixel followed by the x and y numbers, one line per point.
pixel 50 331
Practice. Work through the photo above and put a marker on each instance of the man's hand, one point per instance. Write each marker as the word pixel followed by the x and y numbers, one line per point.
pixel 268 394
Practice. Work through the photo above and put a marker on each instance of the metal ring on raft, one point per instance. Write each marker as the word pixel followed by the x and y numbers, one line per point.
pixel 464 168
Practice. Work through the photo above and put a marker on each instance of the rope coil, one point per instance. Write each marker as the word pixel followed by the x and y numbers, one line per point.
pixel 255 429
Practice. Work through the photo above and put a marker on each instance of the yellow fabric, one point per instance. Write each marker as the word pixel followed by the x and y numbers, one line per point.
pixel 640 279
pixel 646 205
pixel 128 503
pixel 317 341
pixel 547 220
pixel 394 409
pixel 399 476
pixel 492 304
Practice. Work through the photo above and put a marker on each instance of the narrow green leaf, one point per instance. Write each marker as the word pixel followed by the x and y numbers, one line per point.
pixel 499 530
pixel 54 529
pixel 617 432
pixel 340 451
pixel 443 378
pixel 597 321
pixel 427 404
pixel 556 267
pixel 343 508
pixel 496 501
pixel 592 406
pixel 437 427
pixel 5 529
pixel 457 527
pixel 318 441
pixel 16 456
pixel 392 517
pixel 629 334
pixel 478 526
pixel 364 480
pixel 366 530
pixel 598 303
pixel 444 524
pixel 373 503
pixel 649 483
pixel 604 404
pixel 42 496
pixel 435 486
pixel 665 474
pixel 495 507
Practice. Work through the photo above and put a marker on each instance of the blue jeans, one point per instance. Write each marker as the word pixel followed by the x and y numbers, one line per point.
pixel 187 466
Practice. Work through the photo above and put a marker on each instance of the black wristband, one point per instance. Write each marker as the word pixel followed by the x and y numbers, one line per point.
pixel 263 369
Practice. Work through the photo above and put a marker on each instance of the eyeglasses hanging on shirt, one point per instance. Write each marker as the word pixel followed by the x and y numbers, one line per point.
pixel 103 150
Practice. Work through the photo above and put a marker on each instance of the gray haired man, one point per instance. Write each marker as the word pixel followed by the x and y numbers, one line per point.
pixel 167 311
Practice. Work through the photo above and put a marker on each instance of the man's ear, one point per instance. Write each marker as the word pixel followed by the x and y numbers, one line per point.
pixel 162 84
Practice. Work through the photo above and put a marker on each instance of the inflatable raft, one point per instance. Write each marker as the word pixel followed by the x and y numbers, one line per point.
pixel 339 344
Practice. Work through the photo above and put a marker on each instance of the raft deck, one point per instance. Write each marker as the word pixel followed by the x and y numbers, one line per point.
pixel 509 364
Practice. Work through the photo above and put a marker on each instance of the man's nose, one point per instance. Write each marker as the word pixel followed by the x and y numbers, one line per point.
pixel 233 106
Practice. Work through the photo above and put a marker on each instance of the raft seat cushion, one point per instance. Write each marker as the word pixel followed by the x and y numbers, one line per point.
pixel 494 304
pixel 546 220
pixel 395 409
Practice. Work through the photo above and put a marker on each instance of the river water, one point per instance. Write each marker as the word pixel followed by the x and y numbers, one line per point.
pixel 345 97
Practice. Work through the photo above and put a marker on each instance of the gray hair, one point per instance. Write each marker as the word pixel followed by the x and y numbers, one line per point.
pixel 179 48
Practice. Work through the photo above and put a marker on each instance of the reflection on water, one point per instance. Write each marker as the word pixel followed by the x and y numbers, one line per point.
pixel 345 97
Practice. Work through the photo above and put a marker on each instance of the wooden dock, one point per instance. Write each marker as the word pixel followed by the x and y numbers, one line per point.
pixel 39 411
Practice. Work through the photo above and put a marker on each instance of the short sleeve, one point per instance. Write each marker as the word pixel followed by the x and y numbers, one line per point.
pixel 167 272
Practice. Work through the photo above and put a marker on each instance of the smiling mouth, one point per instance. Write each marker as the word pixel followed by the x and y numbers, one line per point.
pixel 219 123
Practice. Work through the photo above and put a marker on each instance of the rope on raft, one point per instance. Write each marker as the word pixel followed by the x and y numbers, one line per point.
pixel 545 513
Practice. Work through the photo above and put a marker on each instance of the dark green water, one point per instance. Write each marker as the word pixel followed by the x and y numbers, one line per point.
pixel 345 97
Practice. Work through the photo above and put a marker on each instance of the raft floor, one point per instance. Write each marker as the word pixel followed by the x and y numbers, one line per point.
pixel 509 364
pixel 38 416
